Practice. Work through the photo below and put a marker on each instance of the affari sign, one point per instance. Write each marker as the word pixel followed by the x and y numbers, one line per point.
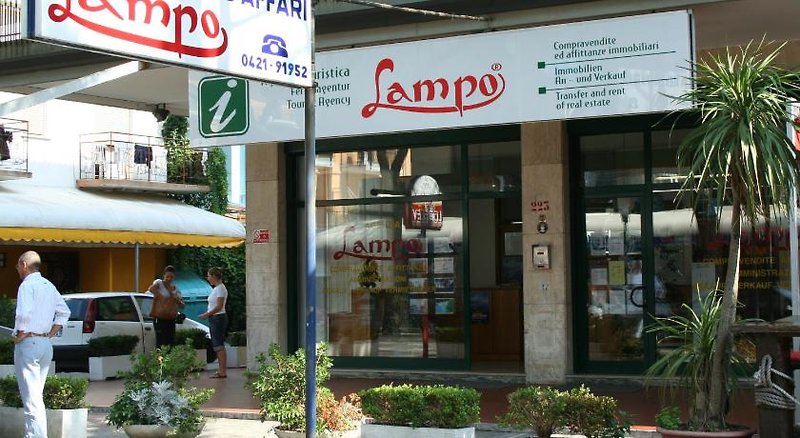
pixel 627 65
pixel 265 40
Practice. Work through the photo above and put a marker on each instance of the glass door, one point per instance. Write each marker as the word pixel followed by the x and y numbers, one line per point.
pixel 616 274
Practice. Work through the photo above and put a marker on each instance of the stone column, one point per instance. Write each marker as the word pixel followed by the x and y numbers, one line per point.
pixel 266 268
pixel 546 296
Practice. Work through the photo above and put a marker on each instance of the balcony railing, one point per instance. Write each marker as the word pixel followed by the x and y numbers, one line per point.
pixel 137 162
pixel 13 149
pixel 9 20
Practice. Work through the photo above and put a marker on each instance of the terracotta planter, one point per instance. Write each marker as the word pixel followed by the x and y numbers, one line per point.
pixel 742 433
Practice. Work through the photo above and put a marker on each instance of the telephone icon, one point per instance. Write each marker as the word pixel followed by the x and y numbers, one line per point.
pixel 274 45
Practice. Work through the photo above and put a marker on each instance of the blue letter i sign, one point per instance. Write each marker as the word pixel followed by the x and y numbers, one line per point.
pixel 224 107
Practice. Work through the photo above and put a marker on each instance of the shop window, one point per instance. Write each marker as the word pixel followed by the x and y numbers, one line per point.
pixel 391 289
pixel 494 166
pixel 383 172
pixel 665 151
pixel 612 159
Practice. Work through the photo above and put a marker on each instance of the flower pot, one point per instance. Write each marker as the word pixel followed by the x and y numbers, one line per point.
pixel 157 431
pixel 384 431
pixel 101 368
pixel 61 423
pixel 237 356
pixel 744 432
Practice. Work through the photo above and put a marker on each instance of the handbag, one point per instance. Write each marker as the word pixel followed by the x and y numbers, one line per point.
pixel 164 308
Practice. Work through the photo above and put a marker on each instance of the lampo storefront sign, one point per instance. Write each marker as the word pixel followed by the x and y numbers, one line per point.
pixel 597 68
pixel 266 40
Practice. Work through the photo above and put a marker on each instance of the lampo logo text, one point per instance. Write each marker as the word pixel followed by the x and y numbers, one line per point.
pixel 437 95
pixel 107 19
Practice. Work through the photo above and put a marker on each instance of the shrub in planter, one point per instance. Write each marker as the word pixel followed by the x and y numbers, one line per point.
pixel 280 385
pixel 6 352
pixel 158 380
pixel 595 416
pixel 59 392
pixel 540 408
pixel 120 345
pixel 437 406
pixel 669 418
pixel 197 338
pixel 8 310
pixel 237 339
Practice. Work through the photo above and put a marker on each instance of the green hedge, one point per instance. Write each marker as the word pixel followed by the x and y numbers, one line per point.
pixel 6 351
pixel 59 392
pixel 8 310
pixel 195 337
pixel 237 339
pixel 439 406
pixel 120 345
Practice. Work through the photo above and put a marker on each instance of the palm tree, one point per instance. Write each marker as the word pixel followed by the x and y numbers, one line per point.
pixel 741 153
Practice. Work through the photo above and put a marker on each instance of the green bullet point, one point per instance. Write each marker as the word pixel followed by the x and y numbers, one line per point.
pixel 541 64
pixel 542 90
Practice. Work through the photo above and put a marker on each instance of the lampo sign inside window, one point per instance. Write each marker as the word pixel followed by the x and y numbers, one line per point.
pixel 266 40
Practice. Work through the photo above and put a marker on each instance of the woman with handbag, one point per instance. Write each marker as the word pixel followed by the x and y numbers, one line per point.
pixel 166 300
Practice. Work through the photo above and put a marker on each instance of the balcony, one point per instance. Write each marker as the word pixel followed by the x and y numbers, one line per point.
pixel 114 161
pixel 13 149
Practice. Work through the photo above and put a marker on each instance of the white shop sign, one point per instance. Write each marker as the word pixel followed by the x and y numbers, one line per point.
pixel 606 67
pixel 265 40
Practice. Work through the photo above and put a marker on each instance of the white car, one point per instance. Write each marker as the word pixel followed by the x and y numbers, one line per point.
pixel 100 314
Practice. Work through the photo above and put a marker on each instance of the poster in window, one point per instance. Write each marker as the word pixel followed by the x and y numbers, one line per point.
pixel 419 284
pixel 445 306
pixel 442 245
pixel 598 244
pixel 599 277
pixel 418 266
pixel 444 265
pixel 479 303
pixel 444 284
pixel 418 306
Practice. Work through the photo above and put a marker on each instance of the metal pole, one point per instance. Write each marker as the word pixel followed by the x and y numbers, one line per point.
pixel 311 247
pixel 136 267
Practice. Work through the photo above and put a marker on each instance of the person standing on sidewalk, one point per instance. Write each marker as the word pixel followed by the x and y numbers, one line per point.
pixel 217 319
pixel 41 313
pixel 166 300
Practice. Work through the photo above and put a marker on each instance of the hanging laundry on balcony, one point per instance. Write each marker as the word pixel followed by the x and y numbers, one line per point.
pixel 142 155
pixel 5 138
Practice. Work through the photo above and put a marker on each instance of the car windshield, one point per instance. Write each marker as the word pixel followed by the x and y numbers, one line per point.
pixel 77 308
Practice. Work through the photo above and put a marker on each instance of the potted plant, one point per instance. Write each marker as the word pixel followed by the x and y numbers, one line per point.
pixel 64 399
pixel 540 408
pixel 689 364
pixel 427 410
pixel 198 340
pixel 595 416
pixel 110 355
pixel 155 401
pixel 280 385
pixel 237 350
pixel 741 154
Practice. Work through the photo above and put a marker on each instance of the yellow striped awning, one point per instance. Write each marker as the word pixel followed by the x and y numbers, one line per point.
pixel 67 215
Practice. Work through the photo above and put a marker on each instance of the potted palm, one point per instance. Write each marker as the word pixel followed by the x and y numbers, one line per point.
pixel 739 152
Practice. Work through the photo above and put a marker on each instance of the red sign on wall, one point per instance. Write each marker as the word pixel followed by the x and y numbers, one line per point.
pixel 261 236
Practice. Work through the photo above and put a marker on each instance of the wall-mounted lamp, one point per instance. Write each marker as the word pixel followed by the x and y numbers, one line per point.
pixel 161 112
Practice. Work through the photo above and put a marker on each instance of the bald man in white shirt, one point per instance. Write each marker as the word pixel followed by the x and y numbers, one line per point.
pixel 41 312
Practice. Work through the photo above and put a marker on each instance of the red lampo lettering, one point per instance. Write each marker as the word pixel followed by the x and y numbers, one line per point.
pixel 102 17
pixel 438 95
